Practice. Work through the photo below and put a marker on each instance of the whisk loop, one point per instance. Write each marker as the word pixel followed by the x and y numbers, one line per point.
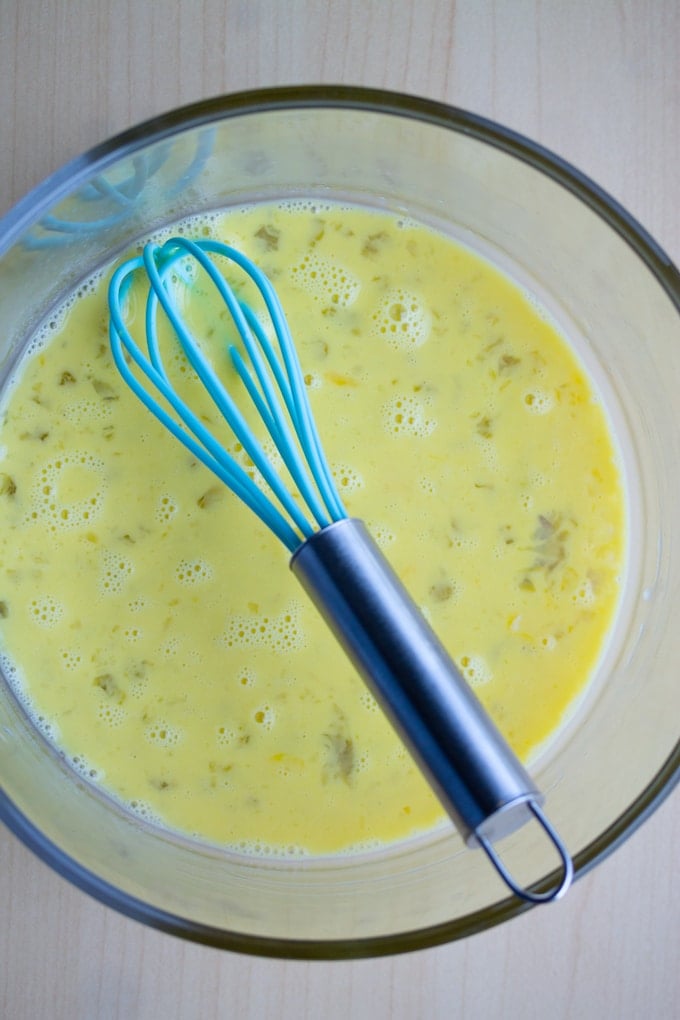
pixel 272 379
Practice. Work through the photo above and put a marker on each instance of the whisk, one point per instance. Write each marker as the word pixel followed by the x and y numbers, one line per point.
pixel 480 782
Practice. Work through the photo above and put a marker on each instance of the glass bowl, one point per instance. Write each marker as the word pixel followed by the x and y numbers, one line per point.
pixel 612 291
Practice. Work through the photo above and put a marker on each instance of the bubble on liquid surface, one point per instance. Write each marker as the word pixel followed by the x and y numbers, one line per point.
pixel 383 535
pixel 313 381
pixel 280 632
pixel 538 401
pixel 463 541
pixel 405 415
pixel 166 508
pixel 162 734
pixel 309 205
pixel 138 680
pixel 84 412
pixel 47 727
pixel 537 479
pixel 193 572
pixel 143 809
pixel 272 453
pixel 52 325
pixel 225 734
pixel 69 491
pixel 475 669
pixel 170 648
pixel 265 717
pixel 116 569
pixel 46 610
pixel 368 702
pixel 247 677
pixel 111 714
pixel 402 320
pixel 347 479
pixel 427 485
pixel 327 281
pixel 258 848
pixel 85 768
pixel 584 593
pixel 15 679
pixel 71 658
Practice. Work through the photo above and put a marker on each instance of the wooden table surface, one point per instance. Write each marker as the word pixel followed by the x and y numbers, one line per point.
pixel 598 81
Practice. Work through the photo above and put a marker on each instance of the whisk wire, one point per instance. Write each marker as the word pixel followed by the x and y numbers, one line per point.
pixel 299 446
pixel 321 482
pixel 201 444
pixel 160 293
pixel 298 404
pixel 280 434
pixel 273 419
pixel 290 383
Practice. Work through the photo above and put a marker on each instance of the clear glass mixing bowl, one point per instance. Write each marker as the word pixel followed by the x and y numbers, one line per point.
pixel 614 293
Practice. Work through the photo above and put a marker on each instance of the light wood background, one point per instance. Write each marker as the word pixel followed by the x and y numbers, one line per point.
pixel 598 81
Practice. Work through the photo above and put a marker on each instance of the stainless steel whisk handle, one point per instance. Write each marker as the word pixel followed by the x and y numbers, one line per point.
pixel 478 778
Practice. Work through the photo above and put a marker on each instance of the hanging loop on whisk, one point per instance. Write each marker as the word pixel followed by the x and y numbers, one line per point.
pixel 567 866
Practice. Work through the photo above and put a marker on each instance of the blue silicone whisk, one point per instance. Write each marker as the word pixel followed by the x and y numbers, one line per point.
pixel 479 780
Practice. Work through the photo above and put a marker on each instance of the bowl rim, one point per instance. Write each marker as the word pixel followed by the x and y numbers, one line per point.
pixel 375 101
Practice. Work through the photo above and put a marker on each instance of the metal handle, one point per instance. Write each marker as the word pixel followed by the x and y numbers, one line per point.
pixel 478 778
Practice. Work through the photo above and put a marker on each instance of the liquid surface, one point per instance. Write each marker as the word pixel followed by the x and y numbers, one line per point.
pixel 150 622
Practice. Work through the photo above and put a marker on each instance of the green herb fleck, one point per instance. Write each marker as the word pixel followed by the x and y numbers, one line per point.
pixel 484 427
pixel 340 756
pixel 270 236
pixel 106 683
pixel 506 362
pixel 104 390
pixel 373 242
pixel 340 759
pixel 549 543
pixel 441 591
pixel 161 784
pixel 39 434
pixel 211 496
pixel 7 485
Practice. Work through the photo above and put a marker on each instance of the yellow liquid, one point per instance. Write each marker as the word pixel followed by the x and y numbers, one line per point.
pixel 150 621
